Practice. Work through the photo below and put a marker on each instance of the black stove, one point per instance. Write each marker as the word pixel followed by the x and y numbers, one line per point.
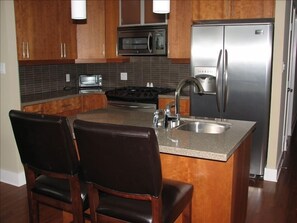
pixel 137 94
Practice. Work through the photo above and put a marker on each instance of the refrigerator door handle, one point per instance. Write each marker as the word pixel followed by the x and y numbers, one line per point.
pixel 225 80
pixel 217 81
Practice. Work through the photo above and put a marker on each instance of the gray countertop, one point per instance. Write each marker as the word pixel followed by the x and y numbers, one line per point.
pixel 217 147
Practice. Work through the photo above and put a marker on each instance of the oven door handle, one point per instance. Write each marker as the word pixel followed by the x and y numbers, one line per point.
pixel 132 106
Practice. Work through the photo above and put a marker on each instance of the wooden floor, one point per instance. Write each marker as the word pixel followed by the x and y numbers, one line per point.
pixel 267 202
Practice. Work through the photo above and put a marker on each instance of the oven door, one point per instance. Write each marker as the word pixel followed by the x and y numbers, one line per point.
pixel 145 107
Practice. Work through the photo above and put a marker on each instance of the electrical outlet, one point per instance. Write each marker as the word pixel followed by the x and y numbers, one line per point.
pixel 124 76
pixel 67 77
pixel 2 68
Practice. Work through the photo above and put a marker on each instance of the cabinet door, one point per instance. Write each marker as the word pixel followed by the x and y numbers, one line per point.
pixel 46 44
pixel 184 105
pixel 179 29
pixel 130 12
pixel 93 101
pixel 44 30
pixel 65 107
pixel 67 30
pixel 111 24
pixel 149 16
pixel 91 35
pixel 24 26
pixel 139 12
pixel 244 9
pixel 207 10
pixel 232 9
pixel 36 27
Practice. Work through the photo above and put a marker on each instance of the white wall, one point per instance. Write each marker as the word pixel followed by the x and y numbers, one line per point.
pixel 11 169
pixel 278 92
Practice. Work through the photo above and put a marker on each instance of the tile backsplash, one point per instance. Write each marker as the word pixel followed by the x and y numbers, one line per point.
pixel 36 79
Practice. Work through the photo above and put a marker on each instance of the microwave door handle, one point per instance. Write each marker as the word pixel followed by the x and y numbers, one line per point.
pixel 149 37
pixel 217 82
pixel 226 81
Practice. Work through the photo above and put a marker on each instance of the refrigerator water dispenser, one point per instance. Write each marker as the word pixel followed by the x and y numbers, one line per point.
pixel 207 78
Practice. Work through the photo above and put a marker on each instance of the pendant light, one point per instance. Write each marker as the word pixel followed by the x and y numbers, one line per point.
pixel 78 9
pixel 161 6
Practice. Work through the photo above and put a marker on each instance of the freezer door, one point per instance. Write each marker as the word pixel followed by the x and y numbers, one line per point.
pixel 207 66
pixel 246 83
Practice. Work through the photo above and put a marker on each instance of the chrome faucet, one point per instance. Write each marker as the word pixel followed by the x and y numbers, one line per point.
pixel 181 84
pixel 167 116
pixel 167 113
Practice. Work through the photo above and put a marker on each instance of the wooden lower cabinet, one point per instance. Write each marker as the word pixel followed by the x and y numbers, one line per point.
pixel 220 188
pixel 64 107
pixel 184 105
pixel 69 106
pixel 36 108
pixel 93 101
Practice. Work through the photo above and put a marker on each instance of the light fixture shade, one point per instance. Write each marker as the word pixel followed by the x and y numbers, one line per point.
pixel 78 9
pixel 161 6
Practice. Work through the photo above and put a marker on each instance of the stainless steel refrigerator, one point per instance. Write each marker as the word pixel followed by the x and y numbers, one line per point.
pixel 232 60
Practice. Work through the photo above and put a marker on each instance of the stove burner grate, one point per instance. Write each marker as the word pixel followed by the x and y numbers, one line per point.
pixel 137 94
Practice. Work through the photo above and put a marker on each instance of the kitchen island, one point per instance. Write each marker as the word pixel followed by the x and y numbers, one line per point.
pixel 216 164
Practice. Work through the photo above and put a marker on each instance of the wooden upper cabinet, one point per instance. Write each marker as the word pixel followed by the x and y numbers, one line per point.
pixel 130 12
pixel 91 35
pixel 36 27
pixel 67 31
pixel 245 9
pixel 232 9
pixel 139 12
pixel 44 31
pixel 111 24
pixel 97 38
pixel 179 29
pixel 149 16
pixel 215 9
pixel 24 22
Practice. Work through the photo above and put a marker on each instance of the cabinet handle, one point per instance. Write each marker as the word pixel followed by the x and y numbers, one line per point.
pixel 65 50
pixel 24 54
pixel 28 51
pixel 61 50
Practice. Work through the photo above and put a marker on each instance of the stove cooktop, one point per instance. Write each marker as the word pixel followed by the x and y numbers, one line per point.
pixel 137 94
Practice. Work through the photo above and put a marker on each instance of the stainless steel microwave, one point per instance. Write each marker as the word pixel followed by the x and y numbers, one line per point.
pixel 90 80
pixel 142 40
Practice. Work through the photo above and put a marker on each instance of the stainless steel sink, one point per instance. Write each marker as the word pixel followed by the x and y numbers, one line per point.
pixel 204 127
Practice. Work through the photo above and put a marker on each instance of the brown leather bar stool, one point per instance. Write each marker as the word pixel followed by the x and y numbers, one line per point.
pixel 49 157
pixel 122 167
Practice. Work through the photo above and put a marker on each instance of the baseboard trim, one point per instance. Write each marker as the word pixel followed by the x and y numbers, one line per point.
pixel 273 174
pixel 12 178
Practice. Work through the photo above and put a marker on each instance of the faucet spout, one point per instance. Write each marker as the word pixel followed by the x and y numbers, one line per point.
pixel 181 84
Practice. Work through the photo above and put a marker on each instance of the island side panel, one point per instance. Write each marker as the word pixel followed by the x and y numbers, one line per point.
pixel 241 180
pixel 220 188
